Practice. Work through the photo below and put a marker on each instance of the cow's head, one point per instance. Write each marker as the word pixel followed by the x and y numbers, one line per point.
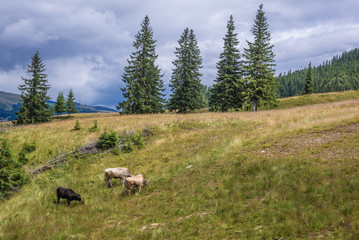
pixel 145 182
pixel 78 198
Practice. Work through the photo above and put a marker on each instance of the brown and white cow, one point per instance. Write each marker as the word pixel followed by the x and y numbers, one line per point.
pixel 119 172
pixel 135 181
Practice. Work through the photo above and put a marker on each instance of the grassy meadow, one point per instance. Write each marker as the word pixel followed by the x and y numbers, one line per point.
pixel 291 172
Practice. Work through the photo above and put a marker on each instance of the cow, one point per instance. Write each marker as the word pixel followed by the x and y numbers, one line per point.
pixel 135 181
pixel 119 172
pixel 69 194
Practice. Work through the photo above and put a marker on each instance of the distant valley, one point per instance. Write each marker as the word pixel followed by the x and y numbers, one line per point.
pixel 9 104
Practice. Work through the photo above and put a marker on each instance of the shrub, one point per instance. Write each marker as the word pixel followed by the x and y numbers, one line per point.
pixel 77 125
pixel 12 175
pixel 26 148
pixel 128 147
pixel 138 140
pixel 94 128
pixel 108 140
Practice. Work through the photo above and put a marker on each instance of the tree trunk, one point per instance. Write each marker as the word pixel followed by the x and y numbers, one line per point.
pixel 254 107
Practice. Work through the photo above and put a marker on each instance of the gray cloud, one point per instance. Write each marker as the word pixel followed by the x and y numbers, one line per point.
pixel 85 44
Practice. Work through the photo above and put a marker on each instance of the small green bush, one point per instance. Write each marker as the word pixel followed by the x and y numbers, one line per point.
pixel 138 140
pixel 94 128
pixel 12 175
pixel 26 148
pixel 128 147
pixel 77 125
pixel 108 140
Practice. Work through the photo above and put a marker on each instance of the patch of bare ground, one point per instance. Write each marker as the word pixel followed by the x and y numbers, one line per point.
pixel 336 143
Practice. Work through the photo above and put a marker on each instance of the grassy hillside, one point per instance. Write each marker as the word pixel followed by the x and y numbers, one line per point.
pixel 305 100
pixel 289 173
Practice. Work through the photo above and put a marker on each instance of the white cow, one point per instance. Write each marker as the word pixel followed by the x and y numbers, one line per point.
pixel 118 172
pixel 135 181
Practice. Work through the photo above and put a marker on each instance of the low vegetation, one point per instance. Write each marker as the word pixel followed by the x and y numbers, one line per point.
pixel 289 173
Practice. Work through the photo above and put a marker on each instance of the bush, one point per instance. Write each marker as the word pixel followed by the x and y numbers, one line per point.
pixel 128 147
pixel 108 140
pixel 138 140
pixel 26 148
pixel 77 125
pixel 12 175
pixel 94 128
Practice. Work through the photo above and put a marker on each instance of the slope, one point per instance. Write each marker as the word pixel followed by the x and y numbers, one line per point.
pixel 212 175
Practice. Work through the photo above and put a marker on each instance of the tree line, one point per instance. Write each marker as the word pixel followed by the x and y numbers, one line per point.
pixel 241 84
pixel 341 73
pixel 33 98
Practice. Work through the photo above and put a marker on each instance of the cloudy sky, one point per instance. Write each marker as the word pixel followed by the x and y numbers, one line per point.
pixel 85 44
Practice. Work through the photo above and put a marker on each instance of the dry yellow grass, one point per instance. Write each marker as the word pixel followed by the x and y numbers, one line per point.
pixel 55 138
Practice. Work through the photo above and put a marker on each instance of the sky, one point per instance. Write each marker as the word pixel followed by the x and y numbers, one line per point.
pixel 85 44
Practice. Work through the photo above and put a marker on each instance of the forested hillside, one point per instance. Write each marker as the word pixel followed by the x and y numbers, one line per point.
pixel 339 74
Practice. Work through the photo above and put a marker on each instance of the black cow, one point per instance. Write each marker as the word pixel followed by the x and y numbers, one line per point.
pixel 69 194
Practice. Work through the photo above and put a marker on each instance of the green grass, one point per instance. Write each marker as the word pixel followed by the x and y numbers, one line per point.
pixel 285 173
pixel 305 100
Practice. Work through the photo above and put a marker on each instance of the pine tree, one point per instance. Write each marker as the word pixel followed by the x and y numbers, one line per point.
pixel 227 92
pixel 12 174
pixel 70 103
pixel 60 106
pixel 260 83
pixel 34 108
pixel 144 84
pixel 308 88
pixel 185 81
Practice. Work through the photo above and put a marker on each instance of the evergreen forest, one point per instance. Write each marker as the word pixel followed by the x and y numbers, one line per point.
pixel 339 74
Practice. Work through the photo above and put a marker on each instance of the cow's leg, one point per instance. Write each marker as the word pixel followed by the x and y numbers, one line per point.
pixel 139 190
pixel 68 202
pixel 58 200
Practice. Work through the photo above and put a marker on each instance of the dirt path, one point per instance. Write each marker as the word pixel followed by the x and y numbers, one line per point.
pixel 338 142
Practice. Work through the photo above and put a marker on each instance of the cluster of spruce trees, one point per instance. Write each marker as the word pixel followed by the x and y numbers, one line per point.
pixel 33 99
pixel 240 84
pixel 339 74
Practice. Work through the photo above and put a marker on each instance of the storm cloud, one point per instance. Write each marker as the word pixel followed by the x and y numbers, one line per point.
pixel 85 44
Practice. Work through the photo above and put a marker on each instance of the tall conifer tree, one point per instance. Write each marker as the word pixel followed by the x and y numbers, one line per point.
pixel 34 108
pixel 60 106
pixel 308 87
pixel 185 82
pixel 260 83
pixel 70 103
pixel 227 92
pixel 144 84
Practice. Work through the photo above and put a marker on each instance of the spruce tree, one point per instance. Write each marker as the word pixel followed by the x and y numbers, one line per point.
pixel 60 106
pixel 185 82
pixel 227 92
pixel 143 81
pixel 70 103
pixel 34 108
pixel 260 83
pixel 12 174
pixel 308 88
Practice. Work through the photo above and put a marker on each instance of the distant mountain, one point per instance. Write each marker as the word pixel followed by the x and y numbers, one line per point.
pixel 9 104
pixel 339 74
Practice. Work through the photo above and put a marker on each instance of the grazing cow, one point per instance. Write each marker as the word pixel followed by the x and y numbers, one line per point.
pixel 136 181
pixel 119 172
pixel 69 194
